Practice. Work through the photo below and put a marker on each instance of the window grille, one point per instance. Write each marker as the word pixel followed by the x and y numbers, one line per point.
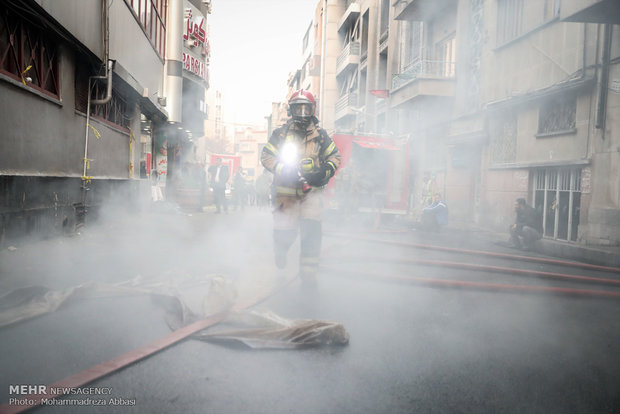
pixel 115 111
pixel 503 144
pixel 557 115
pixel 557 196
pixel 27 54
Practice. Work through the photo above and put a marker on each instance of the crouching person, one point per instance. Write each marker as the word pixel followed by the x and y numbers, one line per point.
pixel 435 215
pixel 527 228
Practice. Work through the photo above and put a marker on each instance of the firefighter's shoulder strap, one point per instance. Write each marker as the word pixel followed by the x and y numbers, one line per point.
pixel 328 148
pixel 279 134
pixel 277 137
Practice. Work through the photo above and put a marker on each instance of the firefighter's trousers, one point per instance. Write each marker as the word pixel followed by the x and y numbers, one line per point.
pixel 304 213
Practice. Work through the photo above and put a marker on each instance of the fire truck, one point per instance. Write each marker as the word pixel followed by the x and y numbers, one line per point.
pixel 373 176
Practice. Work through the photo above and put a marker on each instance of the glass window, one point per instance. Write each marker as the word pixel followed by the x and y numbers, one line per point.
pixel 27 54
pixel 115 111
pixel 557 115
pixel 152 17
pixel 516 17
pixel 557 193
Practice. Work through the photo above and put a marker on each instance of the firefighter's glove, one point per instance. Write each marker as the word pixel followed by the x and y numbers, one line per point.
pixel 320 177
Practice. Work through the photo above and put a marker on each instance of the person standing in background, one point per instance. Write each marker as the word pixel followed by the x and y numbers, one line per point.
pixel 218 177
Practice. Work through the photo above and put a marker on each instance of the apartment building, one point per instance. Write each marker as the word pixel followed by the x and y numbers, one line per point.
pixel 95 95
pixel 249 143
pixel 497 99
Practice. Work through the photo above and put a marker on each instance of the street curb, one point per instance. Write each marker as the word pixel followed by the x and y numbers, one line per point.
pixel 609 256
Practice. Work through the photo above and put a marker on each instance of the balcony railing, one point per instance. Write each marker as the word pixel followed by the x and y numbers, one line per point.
pixel 351 49
pixel 383 39
pixel 425 68
pixel 344 102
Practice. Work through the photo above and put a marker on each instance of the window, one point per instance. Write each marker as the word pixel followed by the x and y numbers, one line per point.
pixel 557 116
pixel 152 17
pixel 364 35
pixel 446 56
pixel 385 17
pixel 516 17
pixel 411 45
pixel 114 112
pixel 557 193
pixel 27 54
pixel 503 139
pixel 306 40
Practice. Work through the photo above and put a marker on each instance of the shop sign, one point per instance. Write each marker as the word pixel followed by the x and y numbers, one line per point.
pixel 195 43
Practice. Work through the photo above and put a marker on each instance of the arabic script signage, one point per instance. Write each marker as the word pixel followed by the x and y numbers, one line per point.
pixel 195 43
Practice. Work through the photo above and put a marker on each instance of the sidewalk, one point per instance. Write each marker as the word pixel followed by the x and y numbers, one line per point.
pixel 599 255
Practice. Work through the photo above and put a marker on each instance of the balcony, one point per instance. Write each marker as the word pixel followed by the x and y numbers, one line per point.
pixel 383 41
pixel 345 105
pixel 420 10
pixel 349 57
pixel 424 77
pixel 424 69
pixel 349 16
pixel 591 11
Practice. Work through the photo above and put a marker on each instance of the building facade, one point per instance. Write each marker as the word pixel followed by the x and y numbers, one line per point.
pixel 94 102
pixel 497 99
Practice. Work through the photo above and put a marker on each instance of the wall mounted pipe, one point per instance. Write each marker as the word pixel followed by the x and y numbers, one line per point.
pixel 109 70
pixel 601 113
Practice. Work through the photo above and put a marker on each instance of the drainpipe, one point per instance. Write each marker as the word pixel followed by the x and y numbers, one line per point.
pixel 109 69
pixel 602 98
pixel 108 78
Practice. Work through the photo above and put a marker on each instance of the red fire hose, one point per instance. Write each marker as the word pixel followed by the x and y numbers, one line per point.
pixel 99 371
pixel 484 268
pixel 478 285
pixel 478 252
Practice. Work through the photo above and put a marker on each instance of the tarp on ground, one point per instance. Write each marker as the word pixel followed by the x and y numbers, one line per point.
pixel 252 328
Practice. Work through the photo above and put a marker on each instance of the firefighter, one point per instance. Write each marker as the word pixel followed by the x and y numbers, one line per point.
pixel 303 158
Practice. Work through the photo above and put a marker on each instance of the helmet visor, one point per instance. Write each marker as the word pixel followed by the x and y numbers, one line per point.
pixel 301 110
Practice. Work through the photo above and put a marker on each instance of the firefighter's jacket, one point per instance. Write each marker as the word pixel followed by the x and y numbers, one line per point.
pixel 314 143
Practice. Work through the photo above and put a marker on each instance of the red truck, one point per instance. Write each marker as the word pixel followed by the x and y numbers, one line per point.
pixel 373 175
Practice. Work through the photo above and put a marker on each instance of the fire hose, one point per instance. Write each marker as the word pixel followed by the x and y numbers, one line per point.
pixel 485 268
pixel 479 253
pixel 446 283
pixel 106 368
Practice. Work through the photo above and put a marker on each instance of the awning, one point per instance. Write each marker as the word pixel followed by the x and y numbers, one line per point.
pixel 375 144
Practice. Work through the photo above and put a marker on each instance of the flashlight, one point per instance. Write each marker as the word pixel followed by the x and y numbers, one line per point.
pixel 289 156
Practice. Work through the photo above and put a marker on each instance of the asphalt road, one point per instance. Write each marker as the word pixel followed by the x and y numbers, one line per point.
pixel 412 348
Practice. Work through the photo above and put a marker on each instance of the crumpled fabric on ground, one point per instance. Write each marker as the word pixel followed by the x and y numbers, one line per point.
pixel 268 330
pixel 254 329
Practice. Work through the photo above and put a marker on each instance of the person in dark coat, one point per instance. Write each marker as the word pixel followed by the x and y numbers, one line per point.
pixel 527 228
pixel 218 177
pixel 240 190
